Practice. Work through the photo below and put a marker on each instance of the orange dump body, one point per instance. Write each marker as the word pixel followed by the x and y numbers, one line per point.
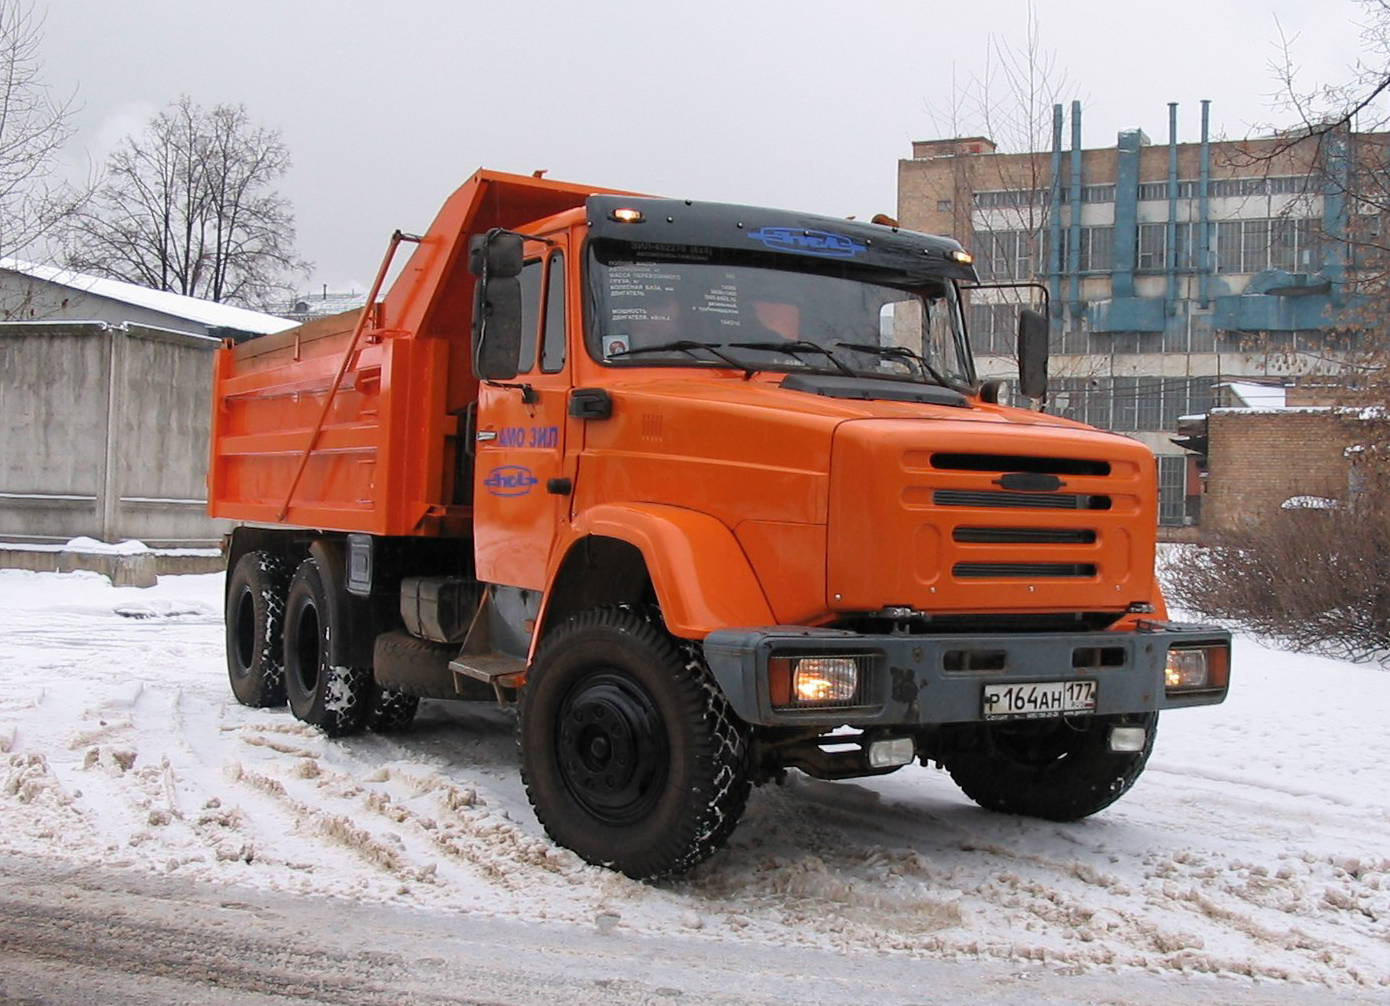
pixel 381 457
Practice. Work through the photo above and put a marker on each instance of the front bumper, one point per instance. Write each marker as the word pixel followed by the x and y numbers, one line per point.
pixel 911 680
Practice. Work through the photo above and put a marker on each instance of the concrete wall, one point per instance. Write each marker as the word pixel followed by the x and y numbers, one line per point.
pixel 106 432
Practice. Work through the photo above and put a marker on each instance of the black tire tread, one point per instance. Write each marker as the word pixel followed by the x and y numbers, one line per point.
pixel 267 576
pixel 1087 781
pixel 706 811
pixel 353 684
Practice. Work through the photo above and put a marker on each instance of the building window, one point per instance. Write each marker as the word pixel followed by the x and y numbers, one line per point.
pixel 1152 238
pixel 993 329
pixel 943 205
pixel 1172 489
pixel 1009 197
pixel 1132 404
pixel 1005 255
pixel 1219 188
pixel 1096 251
pixel 1290 244
pixel 1228 246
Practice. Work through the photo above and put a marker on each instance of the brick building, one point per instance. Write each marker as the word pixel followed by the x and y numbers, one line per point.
pixel 1169 269
pixel 1259 461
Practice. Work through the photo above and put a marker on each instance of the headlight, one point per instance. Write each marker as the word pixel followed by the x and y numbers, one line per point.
pixel 1197 669
pixel 817 682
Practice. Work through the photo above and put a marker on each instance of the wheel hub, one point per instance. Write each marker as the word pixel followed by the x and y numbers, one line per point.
pixel 612 748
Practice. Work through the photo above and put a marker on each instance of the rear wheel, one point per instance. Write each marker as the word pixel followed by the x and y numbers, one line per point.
pixel 630 753
pixel 333 698
pixel 256 591
pixel 1059 770
pixel 390 711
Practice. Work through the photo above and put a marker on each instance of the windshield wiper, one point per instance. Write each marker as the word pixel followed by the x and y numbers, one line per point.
pixel 795 347
pixel 688 346
pixel 899 353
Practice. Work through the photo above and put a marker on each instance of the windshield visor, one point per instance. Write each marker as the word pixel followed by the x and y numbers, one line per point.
pixel 658 305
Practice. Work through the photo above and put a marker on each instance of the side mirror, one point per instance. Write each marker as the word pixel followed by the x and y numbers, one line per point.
pixel 496 259
pixel 1032 353
pixel 496 254
pixel 497 328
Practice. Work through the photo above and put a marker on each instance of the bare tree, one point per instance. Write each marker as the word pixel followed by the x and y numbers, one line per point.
pixel 188 206
pixel 1002 205
pixel 33 128
pixel 1339 141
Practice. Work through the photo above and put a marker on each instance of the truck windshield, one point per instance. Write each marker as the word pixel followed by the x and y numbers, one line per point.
pixel 705 307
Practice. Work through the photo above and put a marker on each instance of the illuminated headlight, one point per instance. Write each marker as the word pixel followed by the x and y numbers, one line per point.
pixel 1197 669
pixel 816 681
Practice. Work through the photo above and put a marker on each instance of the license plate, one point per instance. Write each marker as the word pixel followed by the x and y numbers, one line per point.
pixel 1039 699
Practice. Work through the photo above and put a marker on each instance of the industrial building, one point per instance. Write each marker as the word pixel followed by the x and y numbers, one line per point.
pixel 1170 269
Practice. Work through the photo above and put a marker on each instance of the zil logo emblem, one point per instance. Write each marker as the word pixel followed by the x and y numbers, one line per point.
pixel 510 480
pixel 807 242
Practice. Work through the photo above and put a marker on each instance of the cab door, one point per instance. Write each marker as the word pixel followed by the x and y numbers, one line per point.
pixel 521 477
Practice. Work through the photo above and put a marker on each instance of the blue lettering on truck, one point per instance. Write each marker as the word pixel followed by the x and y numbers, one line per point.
pixel 807 242
pixel 510 480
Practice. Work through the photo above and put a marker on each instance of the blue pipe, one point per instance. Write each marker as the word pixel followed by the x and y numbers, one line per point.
pixel 1054 217
pixel 1204 211
pixel 1170 253
pixel 1074 232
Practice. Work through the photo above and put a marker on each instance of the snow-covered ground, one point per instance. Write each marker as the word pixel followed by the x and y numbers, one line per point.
pixel 1257 844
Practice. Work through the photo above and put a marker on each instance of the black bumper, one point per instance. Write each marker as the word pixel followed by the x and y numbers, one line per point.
pixel 922 680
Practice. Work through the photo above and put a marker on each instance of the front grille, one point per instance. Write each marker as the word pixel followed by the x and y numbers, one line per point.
pixel 986 570
pixel 1018 463
pixel 1023 536
pixel 1019 501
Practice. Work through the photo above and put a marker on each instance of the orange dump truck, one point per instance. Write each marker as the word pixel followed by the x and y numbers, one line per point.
pixel 712 492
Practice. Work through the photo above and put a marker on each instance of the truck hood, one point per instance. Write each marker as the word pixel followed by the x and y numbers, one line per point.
pixel 978 515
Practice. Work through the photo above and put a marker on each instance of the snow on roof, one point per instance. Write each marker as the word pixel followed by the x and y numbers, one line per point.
pixel 204 312
pixel 1260 396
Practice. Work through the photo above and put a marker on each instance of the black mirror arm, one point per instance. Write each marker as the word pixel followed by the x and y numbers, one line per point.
pixel 528 393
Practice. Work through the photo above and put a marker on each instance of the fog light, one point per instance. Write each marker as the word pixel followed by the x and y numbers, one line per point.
pixel 816 681
pixel 1195 669
pixel 1127 740
pixel 892 753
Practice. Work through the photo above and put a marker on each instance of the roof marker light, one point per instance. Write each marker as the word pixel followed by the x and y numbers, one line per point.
pixel 627 216
pixel 963 257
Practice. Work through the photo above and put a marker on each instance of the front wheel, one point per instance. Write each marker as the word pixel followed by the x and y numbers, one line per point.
pixel 1058 769
pixel 630 753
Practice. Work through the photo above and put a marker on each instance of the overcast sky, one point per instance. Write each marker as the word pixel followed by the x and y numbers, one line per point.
pixel 388 106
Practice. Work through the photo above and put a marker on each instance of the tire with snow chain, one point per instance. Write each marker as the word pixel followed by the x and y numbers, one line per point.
pixel 1055 769
pixel 390 711
pixel 335 699
pixel 256 589
pixel 630 754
